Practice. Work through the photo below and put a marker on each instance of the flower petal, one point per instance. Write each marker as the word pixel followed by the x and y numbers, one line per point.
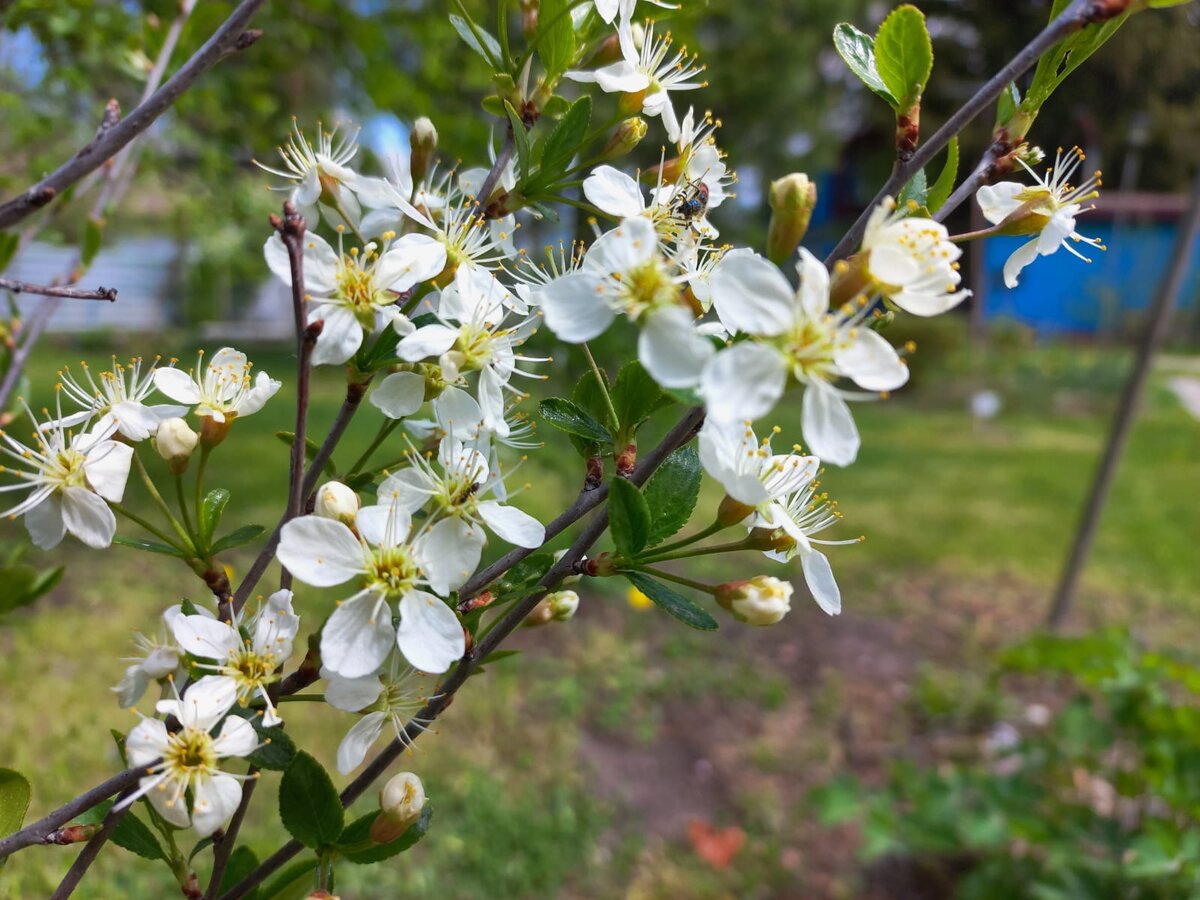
pixel 827 425
pixel 319 551
pixel 871 362
pixel 214 801
pixel 742 382
pixel 449 553
pixel 88 517
pixel 574 310
pixel 751 295
pixel 45 524
pixel 107 469
pixel 819 577
pixel 358 741
pixel 513 525
pixel 351 694
pixel 357 637
pixel 177 385
pixel 614 192
pixel 670 348
pixel 341 335
pixel 430 340
pixel 399 395
pixel 430 635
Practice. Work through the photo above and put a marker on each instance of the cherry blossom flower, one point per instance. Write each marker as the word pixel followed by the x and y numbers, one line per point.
pixel 222 390
pixel 750 473
pixel 393 697
pixel 320 173
pixel 912 261
pixel 159 657
pixel 116 395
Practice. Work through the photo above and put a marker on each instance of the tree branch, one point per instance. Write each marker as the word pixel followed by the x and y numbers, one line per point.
pixel 683 432
pixel 88 855
pixel 51 290
pixel 1074 17
pixel 229 38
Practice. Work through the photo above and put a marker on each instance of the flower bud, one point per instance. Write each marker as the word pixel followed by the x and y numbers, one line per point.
pixel 562 604
pixel 400 805
pixel 763 600
pixel 424 140
pixel 627 136
pixel 175 442
pixel 336 501
pixel 540 615
pixel 792 200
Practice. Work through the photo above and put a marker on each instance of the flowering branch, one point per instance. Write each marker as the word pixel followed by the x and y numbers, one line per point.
pixel 88 854
pixel 230 38
pixel 50 290
pixel 1074 17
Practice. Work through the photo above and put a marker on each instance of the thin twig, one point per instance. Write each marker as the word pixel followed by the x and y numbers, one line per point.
pixel 88 854
pixel 229 38
pixel 683 432
pixel 1074 17
pixel 51 290
pixel 37 832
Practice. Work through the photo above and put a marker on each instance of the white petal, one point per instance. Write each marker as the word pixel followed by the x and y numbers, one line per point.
pixel 277 625
pixel 357 637
pixel 45 524
pixel 202 636
pixel 320 551
pixel 513 525
pixel 341 336
pixel 574 311
pixel 430 635
pixel 400 394
pixel 458 414
pixel 751 295
pixel 177 385
pixel 203 703
pixel 819 577
pixel 614 192
pixel 814 285
pixel 146 742
pixel 136 421
pixel 893 265
pixel 871 362
pixel 88 517
pixel 620 78
pixel 411 260
pixel 722 447
pixel 671 350
pixel 1021 257
pixel 214 803
pixel 998 201
pixel 351 694
pixel 449 553
pixel 265 387
pixel 237 738
pixel 431 340
pixel 388 523
pixel 132 686
pixel 742 382
pixel 358 740
pixel 632 243
pixel 173 809
pixel 107 469
pixel 827 424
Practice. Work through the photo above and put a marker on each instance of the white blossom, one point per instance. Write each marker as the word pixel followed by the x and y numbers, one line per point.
pixel 747 469
pixel 912 261
pixel 158 657
pixel 116 395
pixel 393 697
pixel 320 171
pixel 221 390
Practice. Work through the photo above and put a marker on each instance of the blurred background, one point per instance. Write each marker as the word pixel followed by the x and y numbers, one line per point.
pixel 927 743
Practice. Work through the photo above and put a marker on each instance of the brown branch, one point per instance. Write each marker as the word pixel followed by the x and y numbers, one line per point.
pixel 683 432
pixel 88 855
pixel 51 290
pixel 231 37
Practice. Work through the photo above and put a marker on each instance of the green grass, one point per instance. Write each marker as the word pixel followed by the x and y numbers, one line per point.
pixel 518 813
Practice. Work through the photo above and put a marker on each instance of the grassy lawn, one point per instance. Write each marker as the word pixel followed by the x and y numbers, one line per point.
pixel 574 769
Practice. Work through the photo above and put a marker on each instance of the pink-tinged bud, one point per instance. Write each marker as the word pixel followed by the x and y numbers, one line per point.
pixel 424 141
pixel 626 460
pixel 599 566
pixel 731 511
pixel 627 136
pixel 763 600
pixel 400 805
pixel 337 501
pixel 175 441
pixel 792 199
pixel 540 615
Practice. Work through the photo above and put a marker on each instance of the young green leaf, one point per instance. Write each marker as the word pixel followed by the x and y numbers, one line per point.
pixel 635 396
pixel 93 237
pixel 917 189
pixel 242 861
pixel 14 800
pixel 211 508
pixel 309 806
pixel 21 585
pixel 520 140
pixel 1007 105
pixel 940 192
pixel 628 517
pixel 121 540
pixel 904 55
pixel 671 493
pixel 478 40
pixel 675 604
pixel 858 51
pixel 293 883
pixel 132 834
pixel 355 843
pixel 243 535
pixel 557 37
pixel 567 416
pixel 1059 62
pixel 9 242
pixel 563 142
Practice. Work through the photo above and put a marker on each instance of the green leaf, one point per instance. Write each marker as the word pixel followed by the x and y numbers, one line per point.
pixel 563 142
pixel 277 750
pixel 628 517
pixel 148 546
pixel 211 508
pixel 557 37
pixel 242 861
pixel 940 192
pixel 93 237
pixel 1059 62
pixel 134 835
pixel 243 535
pixel 675 604
pixel 567 416
pixel 671 493
pixel 1007 105
pixel 527 571
pixel 635 396
pixel 478 40
pixel 358 832
pixel 293 883
pixel 9 242
pixel 904 55
pixel 521 141
pixel 14 800
pixel 917 190
pixel 21 585
pixel 858 50
pixel 309 806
